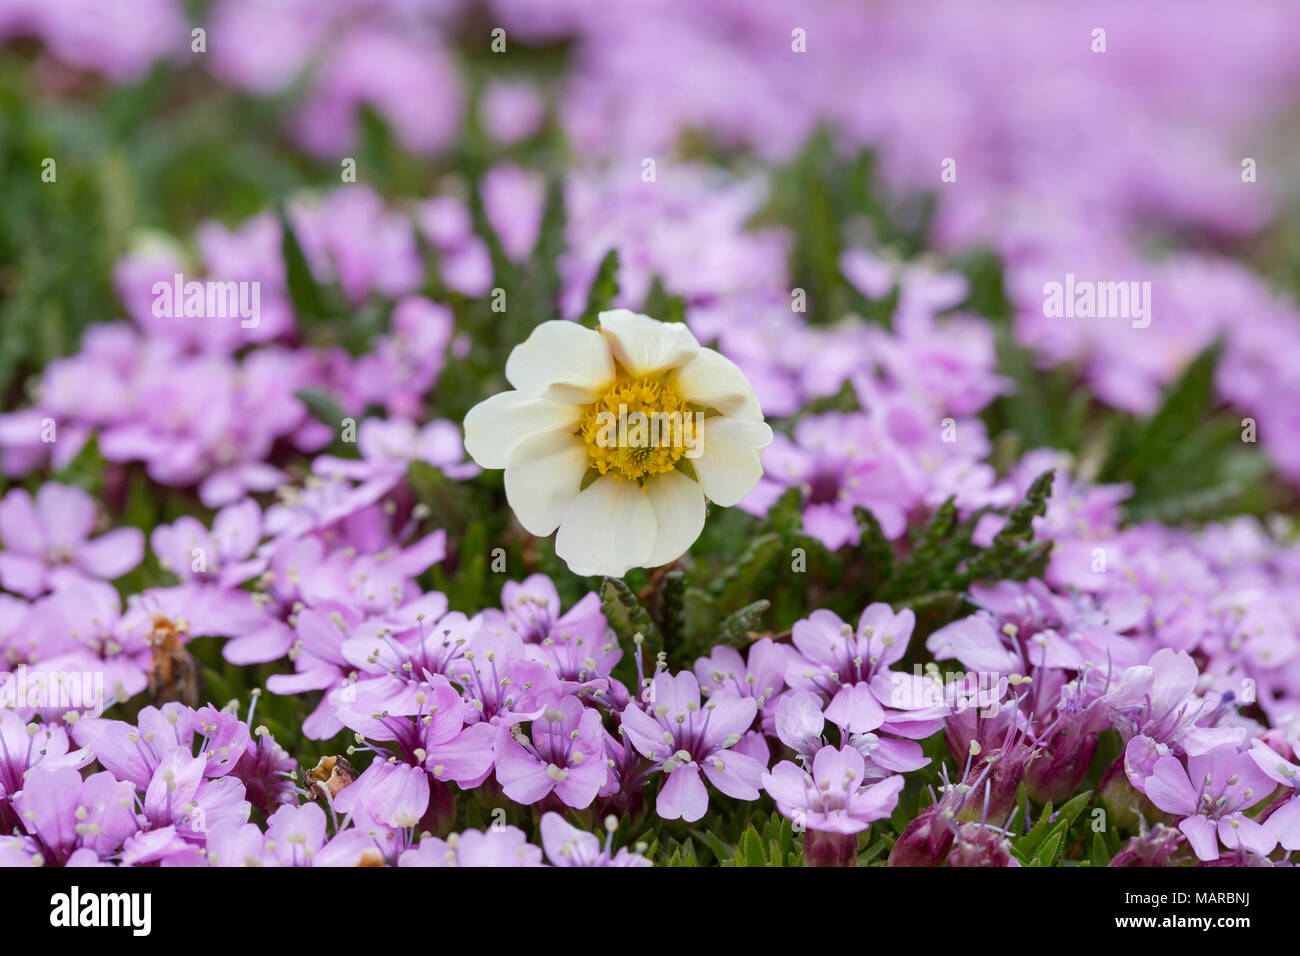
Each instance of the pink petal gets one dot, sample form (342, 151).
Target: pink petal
(68, 514)
(683, 795)
(20, 526)
(113, 554)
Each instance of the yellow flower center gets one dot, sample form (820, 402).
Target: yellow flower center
(637, 429)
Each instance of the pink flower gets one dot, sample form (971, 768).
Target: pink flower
(851, 669)
(430, 738)
(70, 820)
(684, 738)
(834, 797)
(566, 845)
(1284, 817)
(724, 671)
(47, 541)
(506, 846)
(1211, 795)
(188, 550)
(566, 755)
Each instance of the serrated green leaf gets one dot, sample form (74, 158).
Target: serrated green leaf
(915, 572)
(672, 611)
(721, 851)
(1006, 554)
(735, 627)
(627, 617)
(1182, 412)
(1046, 855)
(660, 305)
(1074, 806)
(749, 852)
(1028, 844)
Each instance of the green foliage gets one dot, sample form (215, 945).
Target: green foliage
(1013, 554)
(1045, 842)
(1187, 461)
(943, 561)
(323, 406)
(450, 503)
(755, 840)
(736, 626)
(305, 295)
(662, 306)
(749, 572)
(604, 289)
(627, 618)
(168, 152)
(830, 202)
(672, 607)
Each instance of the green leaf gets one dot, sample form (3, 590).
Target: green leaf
(750, 850)
(604, 289)
(1006, 556)
(744, 577)
(672, 609)
(1047, 853)
(735, 627)
(323, 406)
(544, 285)
(785, 517)
(1075, 806)
(723, 853)
(626, 615)
(874, 546)
(1027, 845)
(1045, 842)
(466, 593)
(305, 294)
(216, 688)
(451, 504)
(700, 612)
(86, 470)
(1182, 412)
(1099, 855)
(916, 571)
(684, 855)
(944, 604)
(871, 852)
(660, 305)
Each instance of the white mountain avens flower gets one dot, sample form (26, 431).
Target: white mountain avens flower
(616, 436)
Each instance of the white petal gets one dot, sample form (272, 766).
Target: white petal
(543, 477)
(728, 466)
(496, 425)
(562, 361)
(679, 512)
(645, 346)
(609, 528)
(715, 381)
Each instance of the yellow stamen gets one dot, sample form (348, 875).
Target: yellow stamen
(639, 428)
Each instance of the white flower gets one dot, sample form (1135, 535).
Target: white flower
(616, 436)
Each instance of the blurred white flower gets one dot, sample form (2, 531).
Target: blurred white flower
(617, 436)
